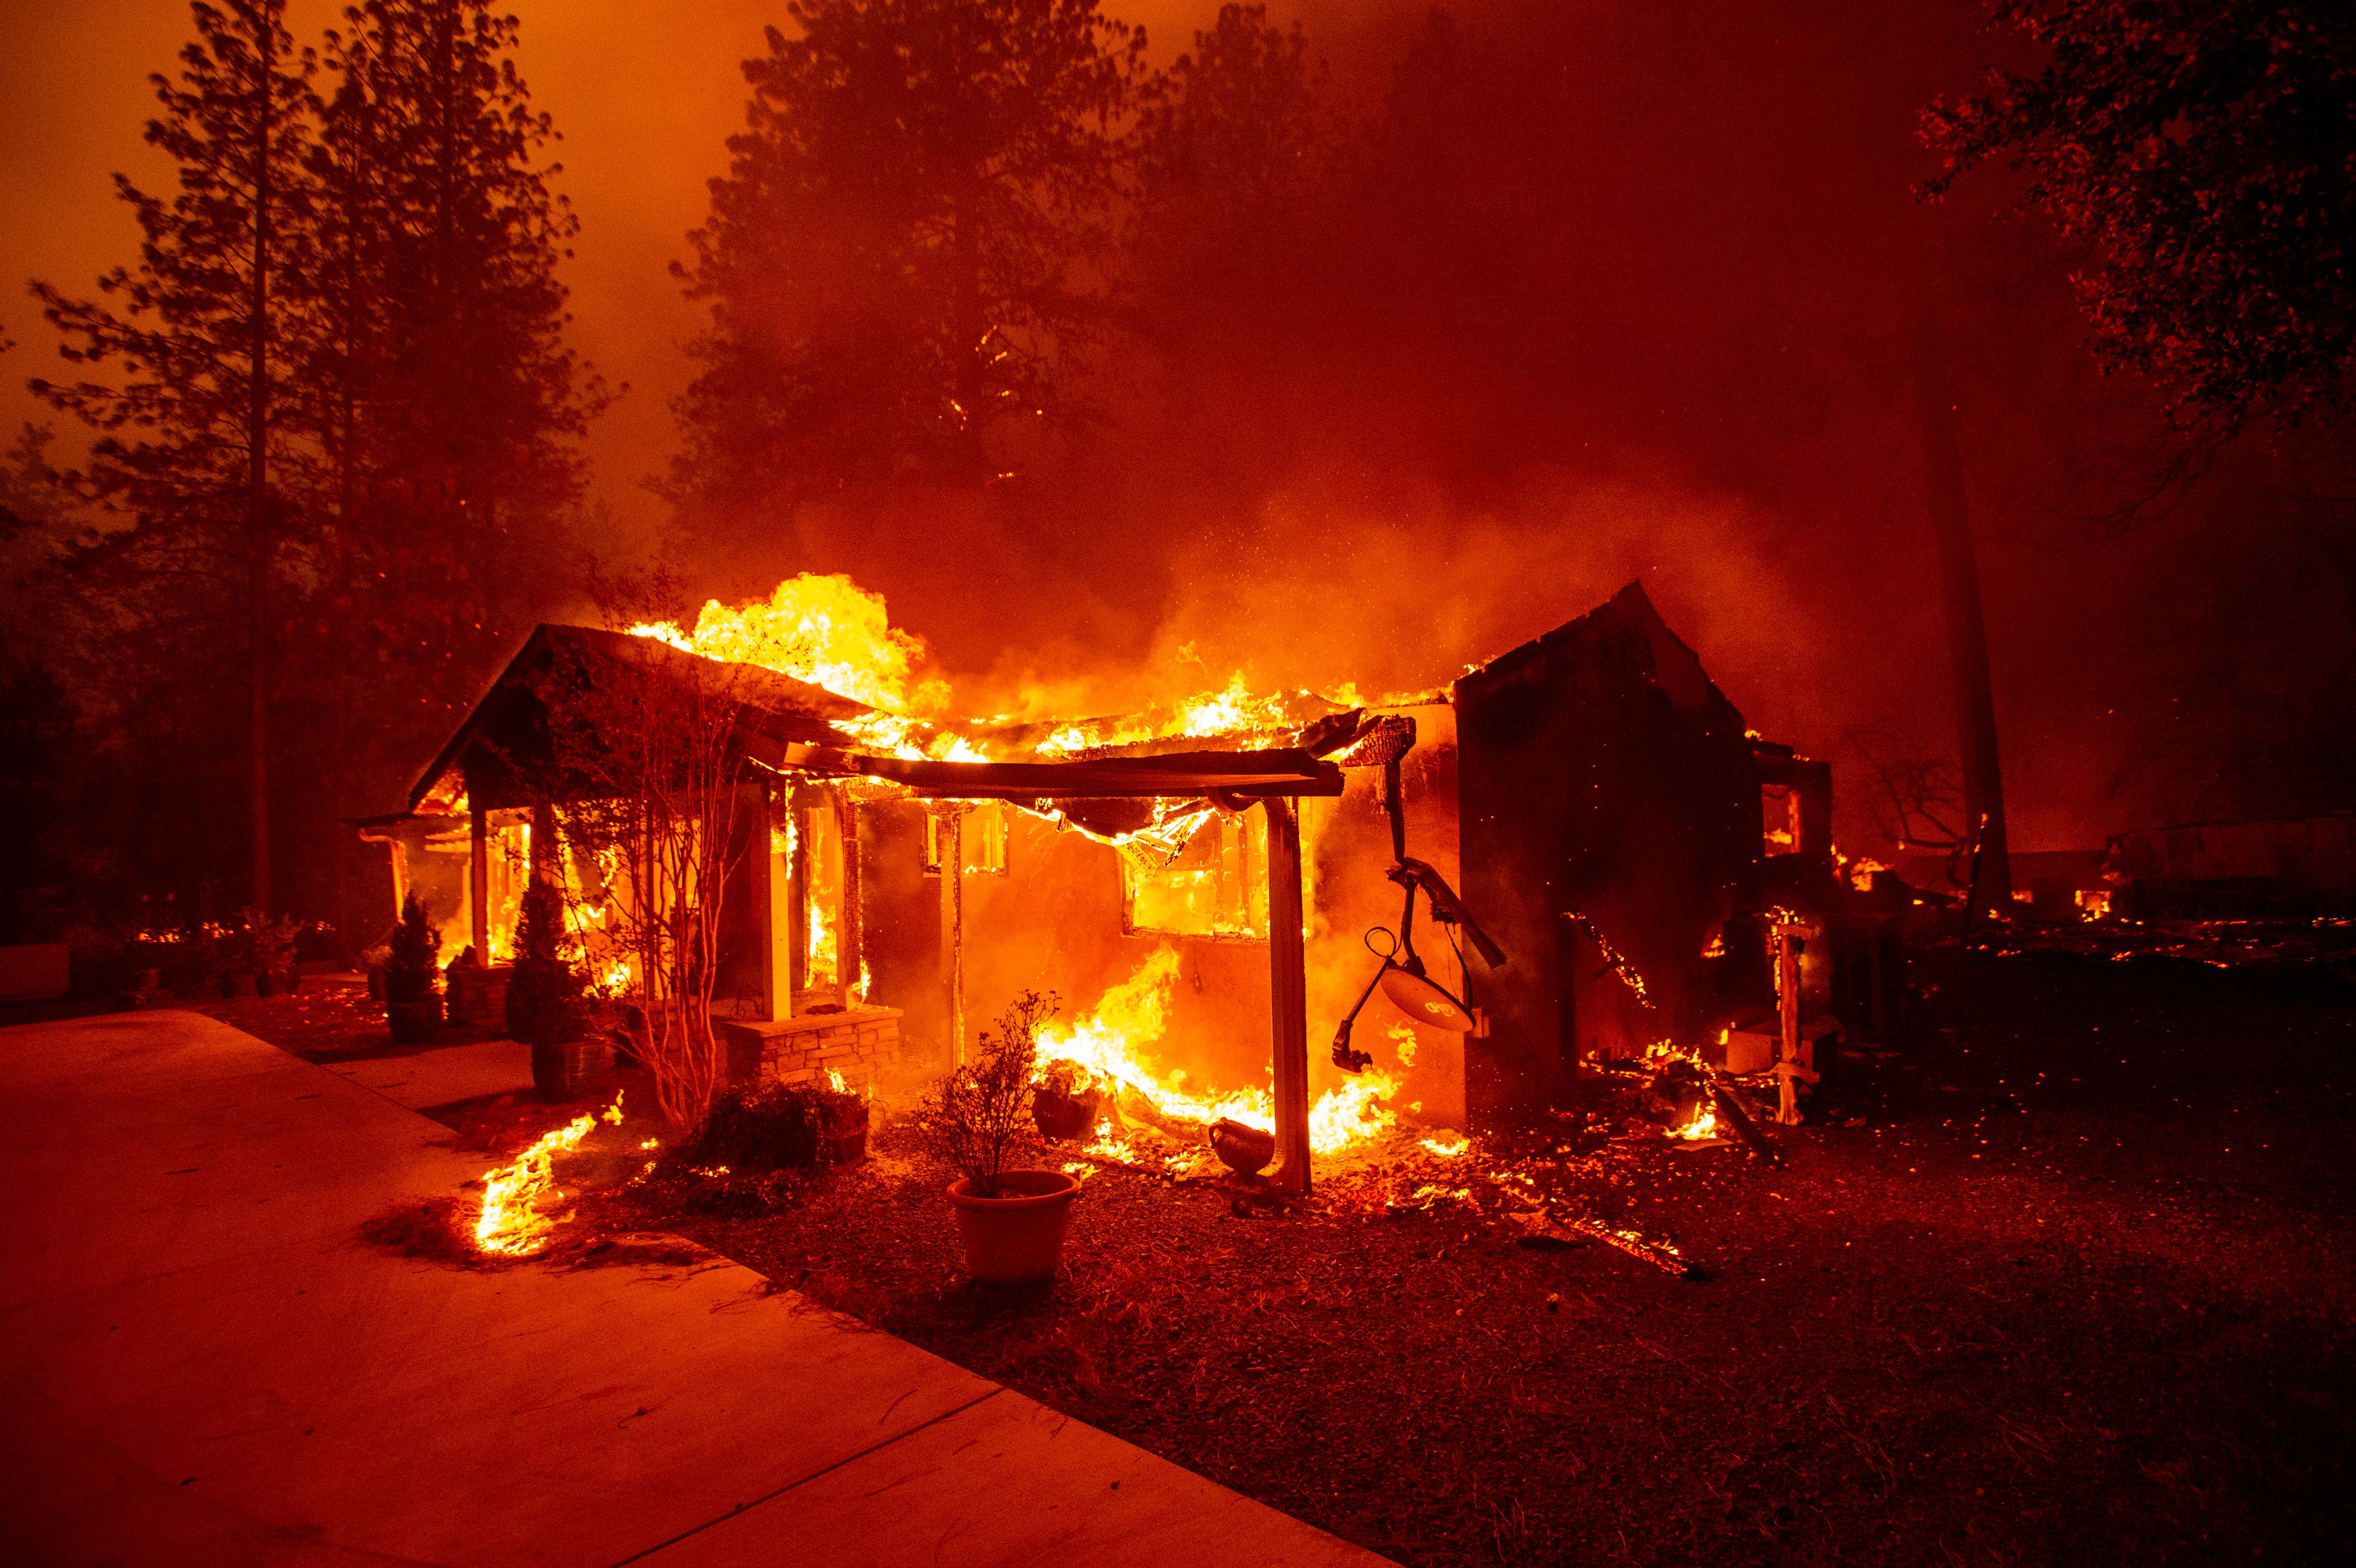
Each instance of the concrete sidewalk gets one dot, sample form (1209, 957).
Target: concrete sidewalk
(203, 1366)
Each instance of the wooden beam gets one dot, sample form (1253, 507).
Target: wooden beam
(1256, 774)
(1287, 990)
(478, 884)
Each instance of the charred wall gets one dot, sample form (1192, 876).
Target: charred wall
(1609, 808)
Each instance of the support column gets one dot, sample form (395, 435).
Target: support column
(1288, 992)
(851, 936)
(773, 891)
(547, 856)
(478, 884)
(952, 850)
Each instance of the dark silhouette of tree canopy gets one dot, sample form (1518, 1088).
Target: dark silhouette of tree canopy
(2206, 152)
(1235, 153)
(341, 413)
(202, 422)
(905, 252)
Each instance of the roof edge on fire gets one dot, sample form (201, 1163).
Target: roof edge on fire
(758, 689)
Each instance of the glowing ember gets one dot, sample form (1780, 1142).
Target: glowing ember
(1704, 1124)
(1130, 1018)
(511, 1224)
(1445, 1149)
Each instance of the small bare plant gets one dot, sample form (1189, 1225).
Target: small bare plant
(975, 1112)
(643, 737)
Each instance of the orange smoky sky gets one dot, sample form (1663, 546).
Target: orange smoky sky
(644, 96)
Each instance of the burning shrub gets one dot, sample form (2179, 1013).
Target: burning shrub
(976, 1111)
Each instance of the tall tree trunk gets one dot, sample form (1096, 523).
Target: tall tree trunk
(1959, 582)
(257, 496)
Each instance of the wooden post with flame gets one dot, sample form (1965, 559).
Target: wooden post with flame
(1288, 991)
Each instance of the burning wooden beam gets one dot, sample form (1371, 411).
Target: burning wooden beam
(1179, 775)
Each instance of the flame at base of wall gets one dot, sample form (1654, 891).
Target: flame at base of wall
(1111, 1043)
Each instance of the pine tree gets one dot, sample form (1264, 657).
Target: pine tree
(894, 261)
(201, 447)
(448, 399)
(456, 398)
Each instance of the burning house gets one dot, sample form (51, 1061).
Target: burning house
(1574, 853)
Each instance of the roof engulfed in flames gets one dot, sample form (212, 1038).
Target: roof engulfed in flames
(826, 630)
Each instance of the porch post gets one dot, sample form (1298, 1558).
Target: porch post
(478, 884)
(952, 847)
(770, 892)
(1288, 991)
(851, 940)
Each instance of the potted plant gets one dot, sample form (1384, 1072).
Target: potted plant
(270, 946)
(413, 1005)
(546, 1002)
(1011, 1223)
(230, 953)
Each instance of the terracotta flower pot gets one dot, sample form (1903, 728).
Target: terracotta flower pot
(1019, 1235)
(565, 1069)
(414, 1023)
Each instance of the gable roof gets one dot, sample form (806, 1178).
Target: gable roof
(503, 723)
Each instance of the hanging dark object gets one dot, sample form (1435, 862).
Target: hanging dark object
(1402, 976)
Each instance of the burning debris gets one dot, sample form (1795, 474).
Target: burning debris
(512, 1224)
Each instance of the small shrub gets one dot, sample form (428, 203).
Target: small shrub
(413, 972)
(760, 1148)
(767, 1127)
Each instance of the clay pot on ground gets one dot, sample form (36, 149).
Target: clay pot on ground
(1246, 1150)
(567, 1069)
(1018, 1235)
(1061, 1117)
(414, 1023)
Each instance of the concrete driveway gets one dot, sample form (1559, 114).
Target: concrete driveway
(204, 1366)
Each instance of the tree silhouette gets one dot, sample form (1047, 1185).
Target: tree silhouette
(1235, 151)
(900, 259)
(202, 420)
(2207, 152)
(342, 418)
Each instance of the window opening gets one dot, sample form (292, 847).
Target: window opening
(1214, 886)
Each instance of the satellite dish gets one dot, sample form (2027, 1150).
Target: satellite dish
(1423, 1000)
